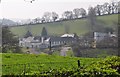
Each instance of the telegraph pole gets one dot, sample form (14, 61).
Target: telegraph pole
(50, 44)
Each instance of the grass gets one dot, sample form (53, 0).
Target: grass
(79, 26)
(41, 62)
(10, 58)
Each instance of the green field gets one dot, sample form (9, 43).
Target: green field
(59, 66)
(37, 63)
(79, 26)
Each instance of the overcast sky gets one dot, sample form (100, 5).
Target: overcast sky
(21, 9)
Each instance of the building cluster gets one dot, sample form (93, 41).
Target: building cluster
(46, 41)
(105, 39)
(66, 39)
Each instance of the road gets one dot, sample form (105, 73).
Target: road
(64, 50)
(33, 51)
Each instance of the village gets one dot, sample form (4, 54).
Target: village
(66, 41)
(60, 38)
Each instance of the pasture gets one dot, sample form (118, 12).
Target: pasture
(79, 26)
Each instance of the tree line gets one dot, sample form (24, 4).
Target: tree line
(105, 9)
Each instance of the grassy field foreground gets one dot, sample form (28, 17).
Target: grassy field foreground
(59, 66)
(19, 63)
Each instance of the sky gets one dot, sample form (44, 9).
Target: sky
(24, 9)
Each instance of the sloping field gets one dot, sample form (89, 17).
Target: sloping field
(79, 26)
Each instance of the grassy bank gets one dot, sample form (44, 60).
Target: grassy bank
(79, 26)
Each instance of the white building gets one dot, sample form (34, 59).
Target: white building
(98, 36)
(52, 41)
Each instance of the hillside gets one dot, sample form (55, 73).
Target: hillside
(7, 22)
(79, 26)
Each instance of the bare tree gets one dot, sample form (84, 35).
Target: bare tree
(83, 12)
(37, 20)
(76, 12)
(67, 15)
(119, 7)
(99, 9)
(54, 16)
(106, 5)
(107, 8)
(42, 20)
(47, 16)
(113, 7)
(116, 6)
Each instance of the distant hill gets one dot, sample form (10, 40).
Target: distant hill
(7, 22)
(79, 26)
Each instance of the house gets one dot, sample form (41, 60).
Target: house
(45, 42)
(99, 36)
(57, 41)
(105, 39)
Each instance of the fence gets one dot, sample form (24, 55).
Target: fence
(28, 68)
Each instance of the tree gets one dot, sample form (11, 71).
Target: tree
(116, 7)
(92, 18)
(83, 12)
(107, 8)
(47, 16)
(54, 16)
(76, 12)
(99, 9)
(9, 41)
(44, 32)
(67, 15)
(37, 20)
(113, 7)
(42, 19)
(28, 34)
(119, 7)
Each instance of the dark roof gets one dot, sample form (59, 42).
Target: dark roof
(55, 38)
(37, 38)
(61, 39)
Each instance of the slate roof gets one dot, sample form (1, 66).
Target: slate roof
(61, 39)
